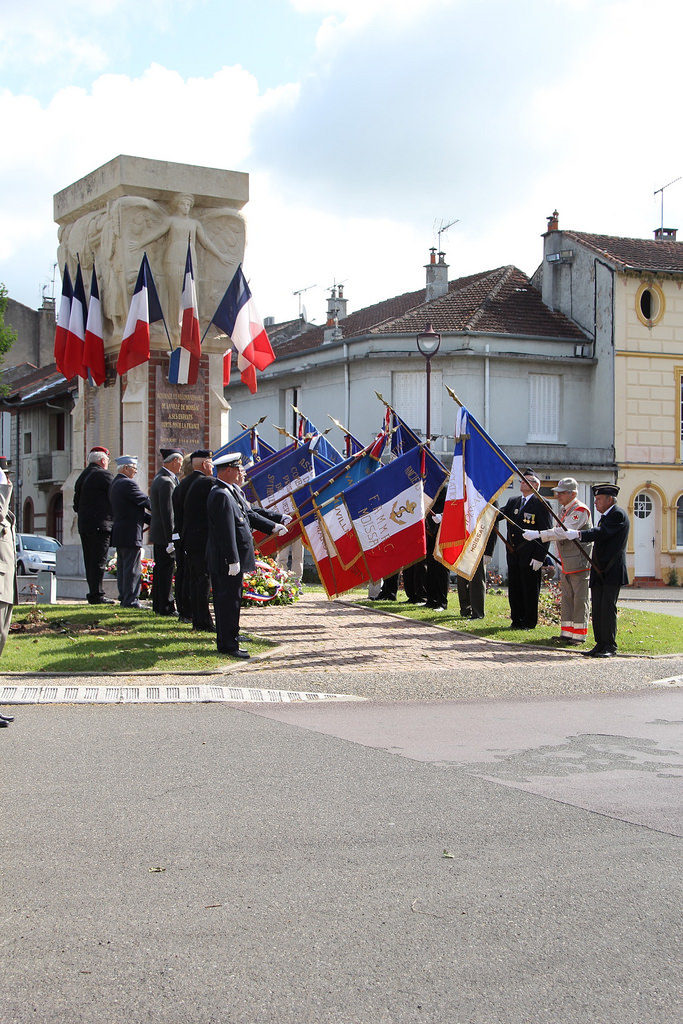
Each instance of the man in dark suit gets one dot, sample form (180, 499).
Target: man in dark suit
(525, 558)
(438, 575)
(194, 535)
(130, 510)
(91, 502)
(161, 530)
(230, 548)
(200, 466)
(608, 573)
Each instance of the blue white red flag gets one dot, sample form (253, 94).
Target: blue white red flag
(237, 316)
(480, 473)
(328, 529)
(145, 309)
(62, 325)
(272, 484)
(323, 447)
(387, 512)
(93, 349)
(75, 336)
(251, 446)
(403, 438)
(184, 360)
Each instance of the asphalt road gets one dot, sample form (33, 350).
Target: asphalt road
(208, 863)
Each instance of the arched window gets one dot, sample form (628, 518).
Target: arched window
(27, 517)
(679, 522)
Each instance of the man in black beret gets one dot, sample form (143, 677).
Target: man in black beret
(608, 574)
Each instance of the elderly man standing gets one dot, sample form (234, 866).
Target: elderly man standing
(130, 510)
(161, 530)
(91, 502)
(608, 573)
(574, 515)
(230, 548)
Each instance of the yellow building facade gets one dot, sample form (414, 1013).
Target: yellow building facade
(648, 427)
(626, 294)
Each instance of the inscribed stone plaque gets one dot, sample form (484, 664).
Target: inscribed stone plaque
(180, 413)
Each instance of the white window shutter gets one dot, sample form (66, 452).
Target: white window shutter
(544, 407)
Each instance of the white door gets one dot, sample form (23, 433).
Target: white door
(644, 535)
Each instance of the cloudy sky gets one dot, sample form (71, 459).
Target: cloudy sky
(362, 125)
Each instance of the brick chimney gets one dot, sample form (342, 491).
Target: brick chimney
(553, 221)
(437, 275)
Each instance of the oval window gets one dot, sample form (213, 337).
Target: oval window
(650, 304)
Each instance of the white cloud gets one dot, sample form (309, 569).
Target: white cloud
(486, 112)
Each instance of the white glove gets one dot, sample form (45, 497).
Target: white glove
(233, 568)
(531, 535)
(279, 529)
(536, 565)
(437, 517)
(170, 548)
(175, 536)
(572, 535)
(286, 520)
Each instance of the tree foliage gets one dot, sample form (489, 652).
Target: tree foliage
(7, 334)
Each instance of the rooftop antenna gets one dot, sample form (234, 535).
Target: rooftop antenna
(444, 228)
(299, 292)
(333, 287)
(662, 191)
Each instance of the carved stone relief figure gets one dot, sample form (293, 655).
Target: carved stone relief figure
(116, 236)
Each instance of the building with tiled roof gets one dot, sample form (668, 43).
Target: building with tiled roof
(626, 294)
(35, 422)
(528, 372)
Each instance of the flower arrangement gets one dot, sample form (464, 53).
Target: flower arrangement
(269, 584)
(147, 566)
(550, 602)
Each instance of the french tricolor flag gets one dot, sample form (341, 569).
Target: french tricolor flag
(63, 316)
(184, 365)
(237, 316)
(93, 349)
(72, 364)
(388, 509)
(145, 309)
(480, 473)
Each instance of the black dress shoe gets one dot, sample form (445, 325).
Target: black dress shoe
(239, 653)
(607, 653)
(595, 653)
(5, 720)
(473, 616)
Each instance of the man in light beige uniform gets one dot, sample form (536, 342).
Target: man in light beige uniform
(575, 566)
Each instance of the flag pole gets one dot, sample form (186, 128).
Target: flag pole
(519, 473)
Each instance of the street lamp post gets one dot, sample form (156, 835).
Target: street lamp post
(428, 342)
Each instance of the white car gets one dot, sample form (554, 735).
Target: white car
(36, 554)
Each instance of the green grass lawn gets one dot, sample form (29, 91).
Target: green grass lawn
(83, 638)
(637, 632)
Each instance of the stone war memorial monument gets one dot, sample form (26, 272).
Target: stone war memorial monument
(111, 217)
